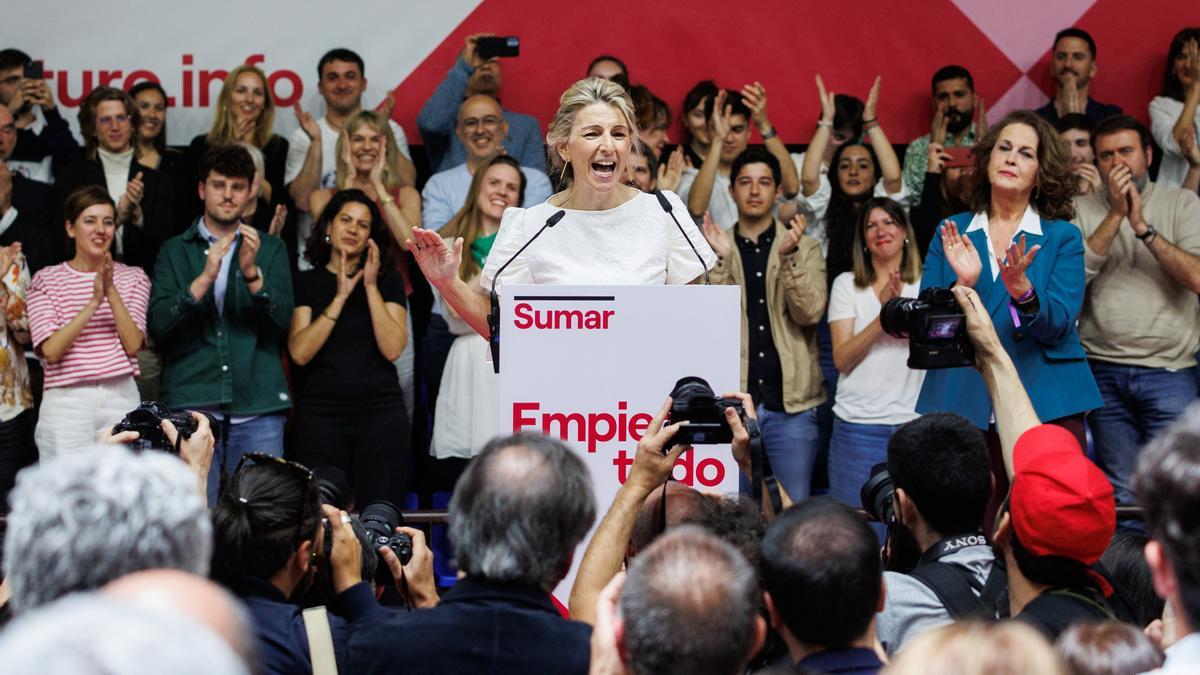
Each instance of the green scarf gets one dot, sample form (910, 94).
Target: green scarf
(481, 247)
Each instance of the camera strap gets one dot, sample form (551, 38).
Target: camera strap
(761, 473)
(955, 586)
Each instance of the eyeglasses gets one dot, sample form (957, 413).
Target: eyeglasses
(299, 469)
(111, 120)
(474, 122)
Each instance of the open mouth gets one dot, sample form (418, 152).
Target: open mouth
(604, 168)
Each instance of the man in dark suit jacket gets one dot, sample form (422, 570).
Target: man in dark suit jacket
(24, 204)
(518, 512)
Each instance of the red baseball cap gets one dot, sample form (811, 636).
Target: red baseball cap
(1061, 504)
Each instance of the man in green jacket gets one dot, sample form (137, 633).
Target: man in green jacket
(219, 311)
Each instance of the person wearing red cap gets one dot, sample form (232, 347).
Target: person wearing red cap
(1060, 513)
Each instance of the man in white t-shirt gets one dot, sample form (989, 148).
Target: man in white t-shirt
(312, 166)
(782, 275)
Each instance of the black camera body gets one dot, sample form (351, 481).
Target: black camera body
(693, 400)
(935, 327)
(147, 419)
(878, 495)
(380, 519)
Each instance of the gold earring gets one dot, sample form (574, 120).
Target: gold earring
(562, 174)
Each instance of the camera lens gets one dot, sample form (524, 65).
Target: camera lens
(876, 494)
(896, 316)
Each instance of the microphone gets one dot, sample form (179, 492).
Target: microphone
(666, 206)
(493, 320)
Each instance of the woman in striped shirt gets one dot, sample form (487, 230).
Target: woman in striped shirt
(87, 319)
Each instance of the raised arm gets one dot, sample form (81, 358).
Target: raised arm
(810, 173)
(889, 164)
(309, 179)
(388, 323)
(755, 97)
(440, 264)
(701, 191)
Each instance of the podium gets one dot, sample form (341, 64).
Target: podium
(591, 365)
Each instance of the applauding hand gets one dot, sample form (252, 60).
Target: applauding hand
(791, 240)
(961, 254)
(1013, 266)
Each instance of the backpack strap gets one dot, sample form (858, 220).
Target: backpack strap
(957, 589)
(320, 641)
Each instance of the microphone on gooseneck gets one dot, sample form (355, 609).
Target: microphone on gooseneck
(493, 320)
(666, 206)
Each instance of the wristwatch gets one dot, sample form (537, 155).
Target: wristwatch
(1148, 235)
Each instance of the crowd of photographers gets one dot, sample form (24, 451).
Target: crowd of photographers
(938, 367)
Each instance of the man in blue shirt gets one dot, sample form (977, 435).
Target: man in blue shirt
(1073, 65)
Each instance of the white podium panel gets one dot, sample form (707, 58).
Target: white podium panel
(592, 364)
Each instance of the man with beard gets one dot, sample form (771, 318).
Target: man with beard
(481, 129)
(1073, 65)
(1139, 321)
(220, 307)
(954, 106)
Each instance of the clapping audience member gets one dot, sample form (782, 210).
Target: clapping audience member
(939, 466)
(1076, 130)
(1167, 489)
(467, 390)
(607, 66)
(1176, 109)
(824, 582)
(959, 120)
(847, 126)
(219, 308)
(876, 390)
(1018, 250)
(696, 111)
(25, 204)
(782, 275)
(946, 189)
(87, 321)
(470, 75)
(1108, 648)
(979, 648)
(1073, 65)
(44, 145)
(1138, 324)
(706, 188)
(258, 211)
(517, 514)
(153, 152)
(481, 129)
(16, 395)
(108, 118)
(270, 532)
(689, 603)
(349, 324)
(94, 515)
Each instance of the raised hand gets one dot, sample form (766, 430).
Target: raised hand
(248, 252)
(755, 98)
(828, 110)
(715, 236)
(388, 104)
(1070, 94)
(378, 167)
(347, 158)
(869, 111)
(1120, 184)
(961, 254)
(469, 53)
(370, 269)
(437, 261)
(1189, 146)
(1013, 266)
(1089, 177)
(347, 281)
(217, 251)
(791, 240)
(655, 456)
(278, 220)
(670, 172)
(308, 124)
(937, 158)
(129, 208)
(981, 123)
(719, 124)
(893, 288)
(245, 127)
(940, 127)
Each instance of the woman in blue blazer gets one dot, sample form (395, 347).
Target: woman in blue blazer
(1023, 257)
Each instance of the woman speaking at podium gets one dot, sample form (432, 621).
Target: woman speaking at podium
(607, 233)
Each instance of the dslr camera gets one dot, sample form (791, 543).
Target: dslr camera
(147, 419)
(693, 400)
(935, 327)
(380, 519)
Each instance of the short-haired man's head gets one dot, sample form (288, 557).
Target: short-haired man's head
(941, 463)
(263, 516)
(1123, 140)
(1118, 123)
(119, 123)
(520, 509)
(13, 58)
(340, 54)
(481, 127)
(755, 155)
(608, 67)
(689, 604)
(1167, 485)
(1178, 76)
(81, 520)
(754, 184)
(819, 553)
(1079, 33)
(954, 95)
(580, 95)
(951, 72)
(231, 161)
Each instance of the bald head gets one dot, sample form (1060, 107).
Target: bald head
(481, 128)
(683, 505)
(191, 595)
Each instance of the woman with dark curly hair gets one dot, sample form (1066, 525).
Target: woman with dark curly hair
(1020, 253)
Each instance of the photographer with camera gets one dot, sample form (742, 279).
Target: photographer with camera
(1020, 253)
(270, 530)
(940, 486)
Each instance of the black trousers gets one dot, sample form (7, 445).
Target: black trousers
(17, 451)
(368, 439)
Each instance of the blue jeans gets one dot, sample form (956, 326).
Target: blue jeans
(790, 442)
(1139, 404)
(853, 450)
(261, 434)
(825, 410)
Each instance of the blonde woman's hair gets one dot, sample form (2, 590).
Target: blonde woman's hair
(910, 263)
(224, 126)
(582, 94)
(977, 648)
(377, 122)
(468, 222)
(256, 156)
